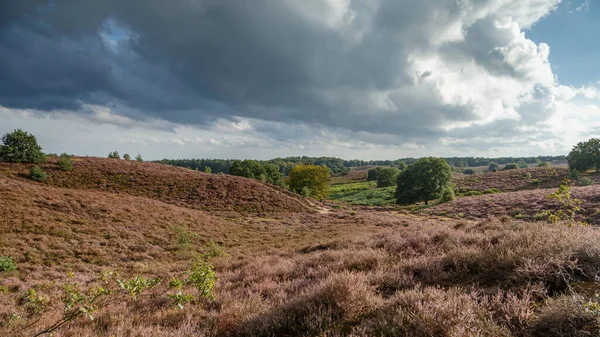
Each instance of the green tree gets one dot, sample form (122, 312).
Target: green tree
(401, 165)
(139, 158)
(510, 166)
(387, 176)
(20, 147)
(65, 162)
(126, 156)
(585, 155)
(522, 164)
(315, 178)
(493, 167)
(207, 169)
(424, 180)
(114, 155)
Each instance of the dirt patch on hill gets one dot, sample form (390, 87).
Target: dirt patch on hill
(173, 185)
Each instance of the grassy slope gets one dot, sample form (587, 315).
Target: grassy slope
(376, 273)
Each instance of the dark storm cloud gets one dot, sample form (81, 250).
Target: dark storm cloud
(194, 61)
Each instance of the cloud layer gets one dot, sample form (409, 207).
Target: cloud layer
(410, 76)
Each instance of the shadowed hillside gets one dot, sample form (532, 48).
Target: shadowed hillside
(173, 185)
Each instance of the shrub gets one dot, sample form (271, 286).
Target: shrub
(522, 164)
(65, 162)
(511, 166)
(7, 264)
(387, 177)
(424, 180)
(315, 178)
(535, 182)
(402, 166)
(470, 171)
(114, 155)
(574, 174)
(207, 170)
(38, 174)
(20, 147)
(126, 156)
(447, 195)
(543, 164)
(305, 192)
(493, 167)
(586, 181)
(139, 158)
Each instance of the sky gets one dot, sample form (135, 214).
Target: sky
(357, 79)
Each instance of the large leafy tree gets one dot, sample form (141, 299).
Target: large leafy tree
(266, 173)
(424, 180)
(585, 155)
(20, 147)
(311, 177)
(387, 176)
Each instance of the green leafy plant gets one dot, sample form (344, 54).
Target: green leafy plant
(586, 181)
(36, 173)
(202, 277)
(139, 158)
(126, 156)
(114, 155)
(7, 264)
(569, 205)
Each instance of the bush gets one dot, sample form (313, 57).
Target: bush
(387, 177)
(114, 155)
(139, 158)
(574, 174)
(586, 181)
(447, 195)
(7, 264)
(38, 174)
(65, 162)
(402, 166)
(424, 180)
(373, 173)
(470, 171)
(20, 147)
(543, 164)
(522, 164)
(493, 167)
(126, 156)
(305, 192)
(511, 166)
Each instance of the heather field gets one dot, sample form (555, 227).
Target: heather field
(283, 265)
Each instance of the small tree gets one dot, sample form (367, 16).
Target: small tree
(37, 174)
(315, 178)
(207, 170)
(585, 155)
(65, 162)
(424, 180)
(493, 167)
(387, 176)
(139, 158)
(448, 194)
(20, 147)
(510, 166)
(543, 164)
(126, 156)
(401, 165)
(114, 155)
(469, 171)
(522, 164)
